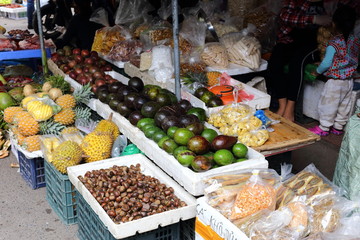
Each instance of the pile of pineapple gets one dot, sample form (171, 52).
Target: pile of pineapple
(41, 113)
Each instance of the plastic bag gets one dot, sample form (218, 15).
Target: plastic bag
(222, 189)
(254, 138)
(106, 37)
(131, 11)
(100, 16)
(161, 65)
(165, 10)
(246, 52)
(122, 50)
(215, 55)
(254, 196)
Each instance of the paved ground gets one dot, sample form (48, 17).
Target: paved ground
(25, 213)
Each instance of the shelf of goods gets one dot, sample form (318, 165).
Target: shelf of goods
(211, 224)
(21, 54)
(235, 69)
(142, 225)
(190, 180)
(13, 13)
(261, 100)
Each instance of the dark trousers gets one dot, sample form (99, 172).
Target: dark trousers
(30, 11)
(296, 56)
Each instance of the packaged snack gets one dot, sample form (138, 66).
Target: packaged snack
(215, 55)
(122, 50)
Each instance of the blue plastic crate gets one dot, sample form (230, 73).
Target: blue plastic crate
(60, 194)
(187, 229)
(32, 170)
(92, 228)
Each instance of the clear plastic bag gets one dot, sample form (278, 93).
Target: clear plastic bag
(161, 65)
(106, 37)
(122, 50)
(222, 189)
(101, 16)
(129, 12)
(215, 55)
(254, 138)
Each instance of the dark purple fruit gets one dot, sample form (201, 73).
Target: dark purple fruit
(139, 102)
(215, 102)
(185, 104)
(160, 116)
(123, 109)
(197, 127)
(124, 91)
(170, 121)
(134, 117)
(188, 119)
(136, 83)
(115, 86)
(223, 142)
(130, 98)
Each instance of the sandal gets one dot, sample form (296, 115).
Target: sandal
(318, 131)
(335, 131)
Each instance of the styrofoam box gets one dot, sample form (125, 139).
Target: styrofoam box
(220, 224)
(14, 13)
(261, 100)
(190, 180)
(235, 69)
(147, 223)
(119, 64)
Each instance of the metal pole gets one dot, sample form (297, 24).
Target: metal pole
(176, 48)
(42, 45)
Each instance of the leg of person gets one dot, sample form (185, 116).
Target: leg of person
(342, 115)
(301, 56)
(276, 80)
(30, 8)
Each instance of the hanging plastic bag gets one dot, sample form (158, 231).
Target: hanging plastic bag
(100, 16)
(165, 10)
(132, 11)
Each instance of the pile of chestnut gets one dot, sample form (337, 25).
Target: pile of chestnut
(126, 194)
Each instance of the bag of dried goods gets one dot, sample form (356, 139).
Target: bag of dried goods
(106, 37)
(222, 189)
(215, 55)
(122, 50)
(254, 196)
(254, 138)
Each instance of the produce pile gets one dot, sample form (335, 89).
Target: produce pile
(18, 39)
(265, 206)
(127, 194)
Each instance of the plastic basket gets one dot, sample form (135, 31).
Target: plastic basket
(32, 170)
(60, 194)
(187, 229)
(91, 227)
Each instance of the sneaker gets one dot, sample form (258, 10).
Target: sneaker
(335, 131)
(318, 131)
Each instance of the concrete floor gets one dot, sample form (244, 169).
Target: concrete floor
(26, 214)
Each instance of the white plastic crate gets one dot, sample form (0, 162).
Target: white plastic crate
(190, 180)
(235, 69)
(147, 223)
(14, 13)
(209, 216)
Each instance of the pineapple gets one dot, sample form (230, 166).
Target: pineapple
(69, 130)
(19, 137)
(83, 95)
(20, 115)
(97, 146)
(82, 113)
(10, 112)
(28, 126)
(31, 143)
(51, 127)
(65, 116)
(192, 77)
(67, 154)
(66, 101)
(108, 126)
(42, 112)
(213, 78)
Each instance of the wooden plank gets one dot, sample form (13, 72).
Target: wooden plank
(286, 134)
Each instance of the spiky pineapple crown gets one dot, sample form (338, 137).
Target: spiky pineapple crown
(51, 127)
(84, 94)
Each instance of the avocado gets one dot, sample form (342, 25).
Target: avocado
(149, 109)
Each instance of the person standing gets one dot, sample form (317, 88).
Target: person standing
(30, 8)
(296, 44)
(338, 66)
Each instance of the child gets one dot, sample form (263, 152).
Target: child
(338, 66)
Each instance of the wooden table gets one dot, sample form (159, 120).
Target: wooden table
(287, 136)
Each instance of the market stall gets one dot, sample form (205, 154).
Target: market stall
(169, 144)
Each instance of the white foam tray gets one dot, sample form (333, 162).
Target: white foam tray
(220, 224)
(119, 64)
(145, 224)
(261, 100)
(235, 69)
(190, 180)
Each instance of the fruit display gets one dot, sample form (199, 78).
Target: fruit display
(176, 127)
(4, 145)
(238, 120)
(83, 66)
(127, 194)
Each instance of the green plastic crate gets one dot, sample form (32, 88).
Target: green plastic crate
(92, 228)
(60, 194)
